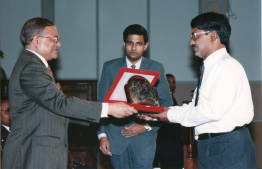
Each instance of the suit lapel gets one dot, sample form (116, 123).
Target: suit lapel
(143, 64)
(123, 62)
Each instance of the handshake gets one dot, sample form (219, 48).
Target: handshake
(121, 110)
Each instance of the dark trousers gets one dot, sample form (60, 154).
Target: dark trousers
(233, 150)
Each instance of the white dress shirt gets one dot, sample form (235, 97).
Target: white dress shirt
(104, 105)
(224, 98)
(129, 64)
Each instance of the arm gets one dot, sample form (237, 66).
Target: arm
(38, 85)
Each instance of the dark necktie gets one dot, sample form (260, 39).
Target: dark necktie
(133, 66)
(200, 77)
(201, 72)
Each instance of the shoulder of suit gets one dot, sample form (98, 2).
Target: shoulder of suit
(116, 61)
(153, 62)
(28, 57)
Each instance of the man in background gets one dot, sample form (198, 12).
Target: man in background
(130, 142)
(5, 122)
(172, 86)
(40, 112)
(170, 138)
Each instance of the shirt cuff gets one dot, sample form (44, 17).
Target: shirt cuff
(171, 116)
(104, 110)
(101, 135)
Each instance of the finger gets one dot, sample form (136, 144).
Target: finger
(124, 132)
(139, 116)
(147, 118)
(108, 151)
(129, 127)
(131, 110)
(153, 115)
(105, 151)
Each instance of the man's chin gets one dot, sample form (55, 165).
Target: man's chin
(55, 57)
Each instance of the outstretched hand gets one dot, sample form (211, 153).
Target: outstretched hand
(120, 110)
(159, 116)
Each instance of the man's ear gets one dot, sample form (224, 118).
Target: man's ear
(214, 36)
(146, 45)
(36, 40)
(124, 43)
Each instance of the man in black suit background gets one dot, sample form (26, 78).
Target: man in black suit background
(5, 122)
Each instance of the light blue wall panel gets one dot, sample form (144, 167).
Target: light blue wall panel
(114, 17)
(13, 15)
(169, 32)
(76, 24)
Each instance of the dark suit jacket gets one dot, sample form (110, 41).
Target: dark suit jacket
(143, 144)
(40, 115)
(4, 134)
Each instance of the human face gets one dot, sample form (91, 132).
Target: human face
(135, 47)
(172, 83)
(201, 43)
(48, 47)
(5, 113)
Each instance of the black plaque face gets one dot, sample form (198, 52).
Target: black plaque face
(140, 91)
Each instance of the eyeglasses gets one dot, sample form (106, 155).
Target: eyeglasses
(53, 39)
(194, 37)
(6, 110)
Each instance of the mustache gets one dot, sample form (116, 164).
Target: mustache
(193, 46)
(133, 51)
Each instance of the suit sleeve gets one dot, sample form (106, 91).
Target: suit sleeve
(37, 83)
(104, 86)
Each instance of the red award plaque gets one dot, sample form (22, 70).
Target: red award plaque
(136, 88)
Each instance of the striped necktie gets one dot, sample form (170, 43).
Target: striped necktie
(50, 71)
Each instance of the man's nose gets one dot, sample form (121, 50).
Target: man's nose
(134, 47)
(191, 42)
(58, 44)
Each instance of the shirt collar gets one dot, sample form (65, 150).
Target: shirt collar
(138, 64)
(40, 57)
(7, 128)
(214, 57)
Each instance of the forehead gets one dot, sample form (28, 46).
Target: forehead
(195, 30)
(4, 103)
(50, 30)
(135, 38)
(171, 79)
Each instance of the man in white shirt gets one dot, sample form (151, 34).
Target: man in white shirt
(224, 104)
(40, 112)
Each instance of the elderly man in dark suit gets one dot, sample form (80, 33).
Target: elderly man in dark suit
(40, 112)
(132, 142)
